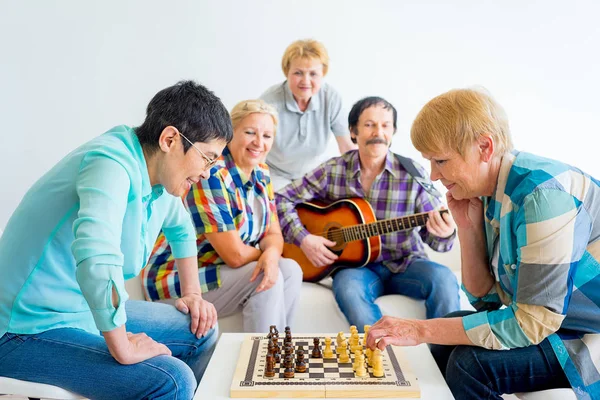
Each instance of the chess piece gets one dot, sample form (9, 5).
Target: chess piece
(338, 339)
(328, 352)
(316, 352)
(355, 342)
(288, 372)
(343, 352)
(300, 363)
(361, 371)
(276, 349)
(270, 368)
(288, 338)
(288, 349)
(377, 363)
(357, 355)
(300, 349)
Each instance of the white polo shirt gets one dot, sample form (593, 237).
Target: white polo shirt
(303, 136)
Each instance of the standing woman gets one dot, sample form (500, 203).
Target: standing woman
(309, 110)
(239, 240)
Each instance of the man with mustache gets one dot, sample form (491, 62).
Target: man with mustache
(395, 186)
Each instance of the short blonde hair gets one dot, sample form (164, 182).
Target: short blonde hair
(244, 108)
(455, 119)
(306, 48)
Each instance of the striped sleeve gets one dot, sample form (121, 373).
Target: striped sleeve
(551, 233)
(209, 205)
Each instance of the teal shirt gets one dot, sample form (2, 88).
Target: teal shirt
(82, 229)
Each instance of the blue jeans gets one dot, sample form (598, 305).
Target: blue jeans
(80, 362)
(477, 373)
(356, 289)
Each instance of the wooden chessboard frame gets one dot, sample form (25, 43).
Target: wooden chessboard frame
(248, 380)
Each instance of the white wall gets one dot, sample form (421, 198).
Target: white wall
(71, 69)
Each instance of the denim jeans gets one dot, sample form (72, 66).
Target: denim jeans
(356, 289)
(80, 362)
(477, 373)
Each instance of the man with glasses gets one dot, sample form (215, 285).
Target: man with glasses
(89, 224)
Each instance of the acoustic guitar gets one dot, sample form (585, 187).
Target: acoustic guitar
(352, 225)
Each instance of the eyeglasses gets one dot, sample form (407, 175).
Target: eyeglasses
(209, 161)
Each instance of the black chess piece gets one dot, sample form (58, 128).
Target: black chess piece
(300, 349)
(270, 368)
(288, 349)
(288, 372)
(276, 349)
(316, 352)
(288, 338)
(300, 364)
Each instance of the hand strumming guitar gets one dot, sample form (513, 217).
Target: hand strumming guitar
(315, 249)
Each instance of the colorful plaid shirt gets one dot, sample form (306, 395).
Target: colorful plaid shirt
(544, 221)
(394, 193)
(223, 202)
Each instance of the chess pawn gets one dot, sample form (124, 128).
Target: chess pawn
(369, 354)
(270, 368)
(316, 352)
(288, 349)
(361, 371)
(288, 372)
(343, 352)
(357, 358)
(288, 338)
(276, 349)
(300, 349)
(328, 353)
(300, 364)
(377, 363)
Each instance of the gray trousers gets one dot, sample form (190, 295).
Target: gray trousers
(275, 306)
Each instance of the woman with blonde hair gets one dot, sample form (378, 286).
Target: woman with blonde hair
(239, 240)
(309, 110)
(529, 230)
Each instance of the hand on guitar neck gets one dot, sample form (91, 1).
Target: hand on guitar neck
(316, 250)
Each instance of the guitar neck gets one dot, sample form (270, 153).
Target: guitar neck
(363, 231)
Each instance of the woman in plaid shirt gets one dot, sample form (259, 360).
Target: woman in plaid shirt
(529, 236)
(239, 241)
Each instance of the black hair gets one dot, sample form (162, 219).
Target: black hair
(362, 105)
(191, 108)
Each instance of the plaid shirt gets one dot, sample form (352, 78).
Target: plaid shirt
(542, 225)
(394, 193)
(221, 203)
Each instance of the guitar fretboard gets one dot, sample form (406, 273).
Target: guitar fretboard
(363, 231)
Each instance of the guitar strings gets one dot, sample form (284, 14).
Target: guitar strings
(339, 233)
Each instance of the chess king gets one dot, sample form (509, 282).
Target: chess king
(394, 186)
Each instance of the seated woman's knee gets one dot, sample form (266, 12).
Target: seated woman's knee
(290, 268)
(172, 377)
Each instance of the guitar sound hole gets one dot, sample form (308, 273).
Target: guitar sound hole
(335, 234)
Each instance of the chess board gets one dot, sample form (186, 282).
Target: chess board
(323, 377)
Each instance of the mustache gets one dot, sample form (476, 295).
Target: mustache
(376, 141)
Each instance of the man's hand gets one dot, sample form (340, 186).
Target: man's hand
(128, 348)
(394, 331)
(202, 313)
(268, 263)
(315, 249)
(439, 225)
